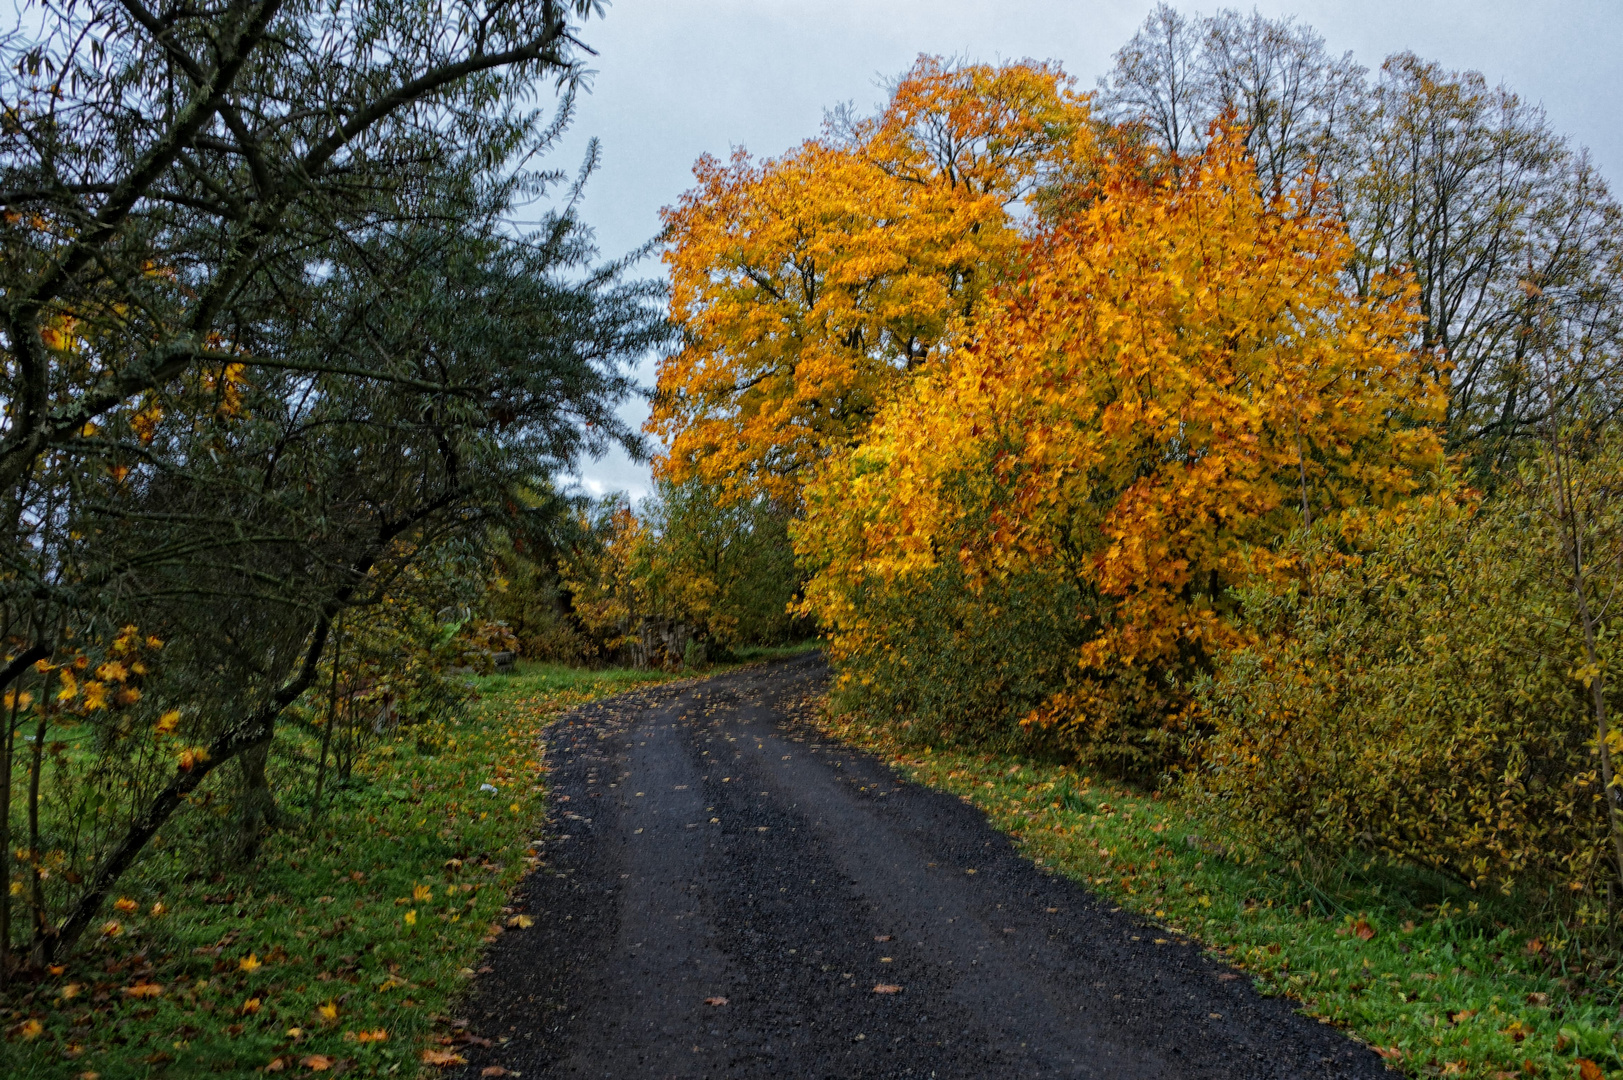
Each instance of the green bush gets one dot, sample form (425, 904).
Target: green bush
(963, 664)
(1424, 699)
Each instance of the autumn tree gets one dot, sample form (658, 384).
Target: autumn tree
(1500, 218)
(1180, 378)
(808, 288)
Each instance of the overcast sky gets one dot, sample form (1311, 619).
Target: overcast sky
(680, 78)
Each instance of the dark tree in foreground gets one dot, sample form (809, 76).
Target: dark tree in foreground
(268, 344)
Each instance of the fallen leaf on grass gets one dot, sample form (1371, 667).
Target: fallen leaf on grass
(1462, 1016)
(1390, 1053)
(1455, 1068)
(376, 1035)
(30, 1029)
(124, 903)
(1588, 1070)
(1538, 999)
(522, 922)
(442, 1058)
(1363, 930)
(276, 1064)
(317, 1062)
(715, 1001)
(143, 990)
(328, 1012)
(249, 963)
(887, 988)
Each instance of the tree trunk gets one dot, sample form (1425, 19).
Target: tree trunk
(43, 930)
(257, 813)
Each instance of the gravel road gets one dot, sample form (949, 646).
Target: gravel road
(726, 894)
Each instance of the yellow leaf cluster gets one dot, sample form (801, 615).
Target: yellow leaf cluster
(1179, 378)
(809, 287)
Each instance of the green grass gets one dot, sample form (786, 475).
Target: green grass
(1443, 981)
(371, 922)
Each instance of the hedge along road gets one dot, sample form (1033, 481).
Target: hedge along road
(726, 894)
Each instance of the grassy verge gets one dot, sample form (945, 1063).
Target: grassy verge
(344, 947)
(1441, 982)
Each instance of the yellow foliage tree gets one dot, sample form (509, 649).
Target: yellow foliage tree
(1179, 380)
(809, 287)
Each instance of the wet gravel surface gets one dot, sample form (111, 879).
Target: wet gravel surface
(706, 844)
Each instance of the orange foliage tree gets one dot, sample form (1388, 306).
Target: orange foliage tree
(809, 287)
(1180, 378)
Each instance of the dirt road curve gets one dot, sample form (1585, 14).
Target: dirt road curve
(706, 845)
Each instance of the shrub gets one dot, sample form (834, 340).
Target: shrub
(1425, 698)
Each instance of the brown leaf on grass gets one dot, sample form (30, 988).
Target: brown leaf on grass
(143, 990)
(1462, 1016)
(887, 988)
(442, 1058)
(715, 1001)
(1390, 1053)
(1534, 947)
(1363, 930)
(1588, 1070)
(317, 1062)
(1538, 999)
(277, 1064)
